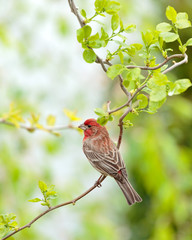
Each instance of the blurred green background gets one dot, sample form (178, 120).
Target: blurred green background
(42, 71)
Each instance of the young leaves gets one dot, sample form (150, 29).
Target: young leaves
(115, 70)
(179, 86)
(89, 55)
(143, 101)
(72, 115)
(7, 224)
(171, 14)
(14, 115)
(115, 20)
(158, 86)
(104, 117)
(48, 194)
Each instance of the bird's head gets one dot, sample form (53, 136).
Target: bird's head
(91, 128)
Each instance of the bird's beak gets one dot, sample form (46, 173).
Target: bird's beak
(82, 126)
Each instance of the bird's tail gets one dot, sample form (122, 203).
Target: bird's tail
(129, 192)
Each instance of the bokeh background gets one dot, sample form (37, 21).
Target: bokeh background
(42, 71)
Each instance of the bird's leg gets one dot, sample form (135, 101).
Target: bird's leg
(98, 182)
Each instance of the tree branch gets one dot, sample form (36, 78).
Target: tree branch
(34, 128)
(28, 225)
(176, 64)
(129, 109)
(74, 10)
(163, 63)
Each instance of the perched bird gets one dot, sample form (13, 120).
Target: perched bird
(105, 157)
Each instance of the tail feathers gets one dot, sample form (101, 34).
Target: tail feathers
(129, 192)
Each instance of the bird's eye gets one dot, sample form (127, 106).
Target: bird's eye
(88, 126)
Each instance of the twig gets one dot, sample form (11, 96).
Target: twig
(161, 64)
(74, 10)
(108, 106)
(129, 109)
(33, 128)
(176, 64)
(128, 102)
(28, 225)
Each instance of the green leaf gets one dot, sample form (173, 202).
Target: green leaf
(133, 48)
(157, 92)
(13, 224)
(83, 33)
(131, 28)
(104, 37)
(182, 21)
(35, 200)
(89, 55)
(100, 112)
(121, 57)
(171, 14)
(179, 86)
(42, 186)
(72, 115)
(114, 70)
(99, 5)
(80, 35)
(104, 119)
(143, 101)
(164, 27)
(104, 34)
(83, 13)
(121, 25)
(134, 74)
(183, 48)
(115, 21)
(127, 124)
(45, 204)
(112, 7)
(51, 120)
(94, 37)
(159, 78)
(153, 106)
(97, 43)
(169, 36)
(189, 42)
(51, 195)
(150, 37)
(87, 31)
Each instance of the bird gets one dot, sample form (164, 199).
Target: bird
(105, 157)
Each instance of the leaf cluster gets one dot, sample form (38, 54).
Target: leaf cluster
(48, 194)
(157, 85)
(14, 118)
(7, 224)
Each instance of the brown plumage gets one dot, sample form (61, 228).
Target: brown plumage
(104, 156)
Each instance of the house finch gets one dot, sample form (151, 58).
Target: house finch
(104, 156)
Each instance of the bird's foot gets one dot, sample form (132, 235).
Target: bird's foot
(98, 182)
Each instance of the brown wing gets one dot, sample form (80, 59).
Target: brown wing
(108, 164)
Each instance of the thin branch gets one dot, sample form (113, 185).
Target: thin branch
(28, 225)
(129, 109)
(33, 128)
(161, 64)
(128, 102)
(100, 61)
(108, 106)
(176, 64)
(82, 23)
(74, 10)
